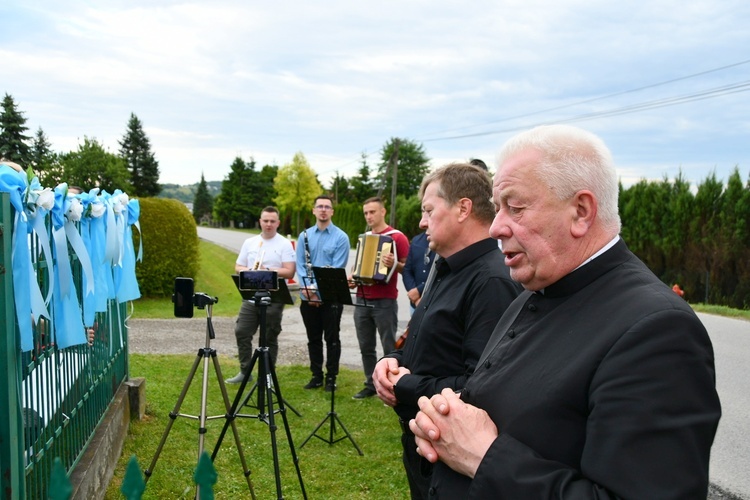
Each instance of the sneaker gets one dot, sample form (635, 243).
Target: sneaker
(330, 384)
(237, 379)
(365, 393)
(314, 383)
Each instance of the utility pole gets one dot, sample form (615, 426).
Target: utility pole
(394, 180)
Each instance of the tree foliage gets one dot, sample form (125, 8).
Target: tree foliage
(135, 150)
(244, 193)
(14, 143)
(297, 187)
(413, 164)
(355, 189)
(45, 161)
(699, 239)
(91, 166)
(203, 203)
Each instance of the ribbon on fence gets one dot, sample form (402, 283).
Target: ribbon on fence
(76, 243)
(14, 183)
(113, 239)
(98, 227)
(37, 202)
(125, 279)
(92, 235)
(68, 321)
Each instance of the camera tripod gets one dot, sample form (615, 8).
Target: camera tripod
(203, 354)
(334, 418)
(268, 387)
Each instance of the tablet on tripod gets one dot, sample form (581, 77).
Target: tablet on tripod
(280, 296)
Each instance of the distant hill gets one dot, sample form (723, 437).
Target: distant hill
(186, 193)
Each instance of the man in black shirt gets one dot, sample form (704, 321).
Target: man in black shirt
(598, 381)
(468, 292)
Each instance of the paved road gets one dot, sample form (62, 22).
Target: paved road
(232, 240)
(730, 455)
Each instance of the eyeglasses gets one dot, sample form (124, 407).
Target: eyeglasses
(324, 207)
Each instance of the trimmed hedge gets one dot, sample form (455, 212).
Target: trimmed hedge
(170, 246)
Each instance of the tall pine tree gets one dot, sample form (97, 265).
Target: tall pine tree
(135, 149)
(14, 144)
(43, 159)
(234, 206)
(203, 203)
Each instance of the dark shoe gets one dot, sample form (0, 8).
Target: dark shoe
(365, 393)
(237, 379)
(330, 384)
(314, 383)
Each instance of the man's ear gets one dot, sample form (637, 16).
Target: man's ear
(464, 208)
(585, 206)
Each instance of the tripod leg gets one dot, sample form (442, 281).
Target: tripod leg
(232, 415)
(282, 410)
(173, 415)
(337, 419)
(333, 416)
(227, 405)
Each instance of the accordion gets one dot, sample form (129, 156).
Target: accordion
(368, 268)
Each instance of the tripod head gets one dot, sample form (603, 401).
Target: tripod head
(184, 299)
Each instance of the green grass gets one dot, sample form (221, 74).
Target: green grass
(328, 470)
(721, 311)
(216, 266)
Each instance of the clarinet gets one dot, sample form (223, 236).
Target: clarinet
(308, 263)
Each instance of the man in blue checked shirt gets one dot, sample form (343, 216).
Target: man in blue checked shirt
(322, 245)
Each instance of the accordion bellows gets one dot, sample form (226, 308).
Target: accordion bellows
(368, 267)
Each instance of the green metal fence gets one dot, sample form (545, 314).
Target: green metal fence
(52, 399)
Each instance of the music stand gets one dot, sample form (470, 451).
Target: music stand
(333, 287)
(280, 296)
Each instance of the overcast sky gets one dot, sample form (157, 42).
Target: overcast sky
(211, 81)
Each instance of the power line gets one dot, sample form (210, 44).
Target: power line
(633, 108)
(600, 98)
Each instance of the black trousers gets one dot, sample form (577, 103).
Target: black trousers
(418, 468)
(323, 322)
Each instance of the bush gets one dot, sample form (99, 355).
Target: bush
(170, 246)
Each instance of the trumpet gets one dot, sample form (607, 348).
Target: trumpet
(259, 260)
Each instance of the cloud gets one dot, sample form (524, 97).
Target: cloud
(211, 81)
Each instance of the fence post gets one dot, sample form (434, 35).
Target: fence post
(12, 479)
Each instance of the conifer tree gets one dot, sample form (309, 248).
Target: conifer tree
(235, 203)
(135, 149)
(203, 203)
(43, 159)
(14, 144)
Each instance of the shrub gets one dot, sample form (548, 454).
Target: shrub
(170, 245)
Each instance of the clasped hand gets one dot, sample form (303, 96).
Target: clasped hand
(457, 433)
(385, 376)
